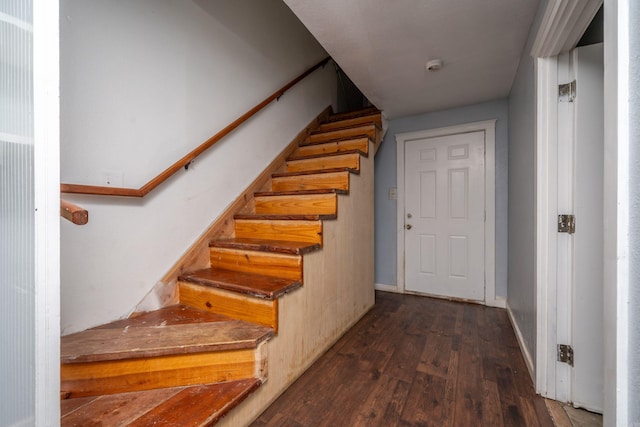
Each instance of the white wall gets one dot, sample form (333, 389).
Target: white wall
(522, 125)
(386, 177)
(144, 82)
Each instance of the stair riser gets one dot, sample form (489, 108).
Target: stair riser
(364, 120)
(261, 311)
(369, 130)
(361, 144)
(351, 161)
(323, 181)
(301, 231)
(317, 204)
(93, 379)
(266, 263)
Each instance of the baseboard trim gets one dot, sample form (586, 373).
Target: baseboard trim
(498, 302)
(523, 348)
(387, 288)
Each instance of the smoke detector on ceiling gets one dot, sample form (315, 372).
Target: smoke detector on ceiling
(434, 65)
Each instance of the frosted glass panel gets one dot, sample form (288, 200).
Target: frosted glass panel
(17, 264)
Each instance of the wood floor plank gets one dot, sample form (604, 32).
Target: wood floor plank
(416, 361)
(425, 403)
(395, 407)
(491, 409)
(117, 409)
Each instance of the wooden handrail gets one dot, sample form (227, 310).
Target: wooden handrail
(73, 213)
(163, 176)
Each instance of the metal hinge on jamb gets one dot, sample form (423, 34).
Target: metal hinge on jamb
(565, 354)
(566, 224)
(567, 92)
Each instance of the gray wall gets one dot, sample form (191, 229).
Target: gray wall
(522, 126)
(634, 217)
(385, 177)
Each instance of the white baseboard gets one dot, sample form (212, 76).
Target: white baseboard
(525, 351)
(498, 302)
(387, 288)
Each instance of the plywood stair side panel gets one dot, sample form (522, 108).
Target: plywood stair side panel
(338, 290)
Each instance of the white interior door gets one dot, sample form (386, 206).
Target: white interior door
(580, 255)
(444, 215)
(588, 371)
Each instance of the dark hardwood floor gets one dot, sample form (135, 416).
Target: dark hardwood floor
(416, 361)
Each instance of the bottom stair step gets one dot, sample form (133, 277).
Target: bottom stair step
(172, 347)
(201, 405)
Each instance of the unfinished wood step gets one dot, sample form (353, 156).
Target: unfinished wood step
(375, 118)
(312, 180)
(260, 311)
(197, 406)
(348, 159)
(264, 245)
(272, 264)
(368, 130)
(315, 202)
(244, 296)
(298, 217)
(351, 114)
(255, 285)
(140, 354)
(360, 144)
(293, 230)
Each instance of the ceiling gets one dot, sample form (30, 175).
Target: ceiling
(383, 46)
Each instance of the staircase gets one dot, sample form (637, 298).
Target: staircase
(292, 277)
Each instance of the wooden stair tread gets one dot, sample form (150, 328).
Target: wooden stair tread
(350, 121)
(317, 156)
(109, 344)
(364, 126)
(173, 315)
(309, 142)
(245, 283)
(283, 217)
(336, 146)
(314, 172)
(300, 192)
(279, 246)
(200, 405)
(351, 114)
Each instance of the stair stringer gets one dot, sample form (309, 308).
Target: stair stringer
(338, 290)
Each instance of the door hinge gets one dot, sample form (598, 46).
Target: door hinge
(565, 354)
(567, 91)
(566, 224)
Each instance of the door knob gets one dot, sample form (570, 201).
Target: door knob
(408, 226)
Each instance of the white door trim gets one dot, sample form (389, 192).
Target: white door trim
(546, 235)
(46, 102)
(488, 127)
(563, 24)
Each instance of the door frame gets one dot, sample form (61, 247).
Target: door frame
(46, 103)
(557, 27)
(488, 127)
